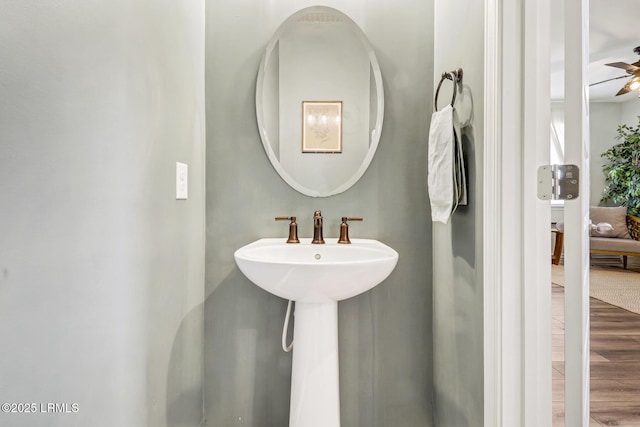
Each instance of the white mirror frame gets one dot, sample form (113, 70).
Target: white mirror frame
(375, 133)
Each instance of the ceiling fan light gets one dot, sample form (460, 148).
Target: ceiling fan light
(635, 84)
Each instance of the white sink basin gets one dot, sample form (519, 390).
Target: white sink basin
(316, 277)
(308, 272)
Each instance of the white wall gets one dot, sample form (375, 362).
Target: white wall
(457, 246)
(101, 269)
(604, 117)
(629, 112)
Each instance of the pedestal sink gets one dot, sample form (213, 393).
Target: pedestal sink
(316, 277)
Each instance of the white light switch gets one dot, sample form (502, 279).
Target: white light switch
(182, 181)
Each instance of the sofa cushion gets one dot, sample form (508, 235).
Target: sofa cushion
(616, 216)
(615, 245)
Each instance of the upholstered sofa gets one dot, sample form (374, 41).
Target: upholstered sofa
(622, 240)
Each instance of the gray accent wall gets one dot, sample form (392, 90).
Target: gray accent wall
(457, 246)
(385, 334)
(101, 269)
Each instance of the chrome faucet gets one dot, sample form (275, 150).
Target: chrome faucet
(317, 228)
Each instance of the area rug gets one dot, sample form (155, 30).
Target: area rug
(613, 286)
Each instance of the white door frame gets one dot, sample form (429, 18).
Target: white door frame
(516, 237)
(516, 227)
(576, 215)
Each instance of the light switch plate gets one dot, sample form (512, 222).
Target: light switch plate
(182, 181)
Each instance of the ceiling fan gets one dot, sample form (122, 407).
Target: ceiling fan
(633, 71)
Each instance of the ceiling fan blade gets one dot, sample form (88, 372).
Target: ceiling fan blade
(624, 90)
(629, 67)
(608, 80)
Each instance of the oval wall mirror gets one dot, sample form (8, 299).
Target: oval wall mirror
(319, 101)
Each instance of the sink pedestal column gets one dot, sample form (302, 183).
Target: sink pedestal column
(315, 391)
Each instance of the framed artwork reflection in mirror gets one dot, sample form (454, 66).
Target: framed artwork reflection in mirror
(322, 126)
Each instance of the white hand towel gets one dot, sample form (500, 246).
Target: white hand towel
(446, 179)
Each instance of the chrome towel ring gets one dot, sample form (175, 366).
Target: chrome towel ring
(456, 77)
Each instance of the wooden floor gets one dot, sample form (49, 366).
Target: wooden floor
(615, 363)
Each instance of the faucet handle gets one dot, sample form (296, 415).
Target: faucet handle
(293, 228)
(344, 229)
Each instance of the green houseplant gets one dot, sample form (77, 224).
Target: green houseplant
(622, 170)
